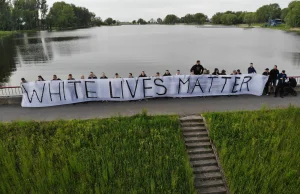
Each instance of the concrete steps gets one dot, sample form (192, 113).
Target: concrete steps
(207, 174)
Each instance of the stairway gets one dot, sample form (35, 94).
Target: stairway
(207, 174)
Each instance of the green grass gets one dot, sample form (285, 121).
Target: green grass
(259, 151)
(5, 33)
(139, 154)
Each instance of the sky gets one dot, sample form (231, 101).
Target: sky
(128, 10)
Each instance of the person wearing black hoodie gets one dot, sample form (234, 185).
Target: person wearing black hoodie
(143, 74)
(273, 76)
(197, 69)
(216, 72)
(167, 73)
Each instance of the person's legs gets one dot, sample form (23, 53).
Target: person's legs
(276, 91)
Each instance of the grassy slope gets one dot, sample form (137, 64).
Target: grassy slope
(259, 151)
(139, 154)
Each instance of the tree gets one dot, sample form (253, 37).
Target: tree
(141, 21)
(159, 20)
(97, 21)
(109, 21)
(216, 19)
(200, 18)
(267, 12)
(43, 10)
(189, 18)
(152, 21)
(5, 15)
(250, 18)
(284, 13)
(171, 19)
(228, 19)
(62, 15)
(293, 16)
(26, 14)
(133, 22)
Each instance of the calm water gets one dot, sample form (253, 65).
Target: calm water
(150, 48)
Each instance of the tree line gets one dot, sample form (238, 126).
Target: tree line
(35, 14)
(264, 14)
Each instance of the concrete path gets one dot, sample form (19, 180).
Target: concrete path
(185, 106)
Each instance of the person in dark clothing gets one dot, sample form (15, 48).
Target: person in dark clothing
(70, 77)
(92, 76)
(234, 72)
(197, 69)
(281, 81)
(167, 73)
(216, 72)
(251, 69)
(130, 75)
(223, 72)
(23, 81)
(103, 76)
(273, 77)
(40, 78)
(55, 78)
(143, 74)
(267, 86)
(239, 72)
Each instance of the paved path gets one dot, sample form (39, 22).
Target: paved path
(184, 106)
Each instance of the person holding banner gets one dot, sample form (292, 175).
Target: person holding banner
(92, 76)
(281, 81)
(197, 69)
(143, 74)
(55, 78)
(267, 86)
(167, 73)
(103, 76)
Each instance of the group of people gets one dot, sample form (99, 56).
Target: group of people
(276, 80)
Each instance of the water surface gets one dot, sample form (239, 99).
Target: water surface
(149, 48)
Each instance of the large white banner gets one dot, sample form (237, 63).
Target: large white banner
(53, 93)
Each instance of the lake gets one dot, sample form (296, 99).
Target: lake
(149, 48)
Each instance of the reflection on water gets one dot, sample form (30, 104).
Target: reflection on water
(7, 61)
(150, 48)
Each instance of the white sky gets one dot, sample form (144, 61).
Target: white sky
(128, 10)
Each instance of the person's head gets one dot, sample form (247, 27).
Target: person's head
(283, 71)
(23, 80)
(130, 75)
(234, 72)
(54, 77)
(143, 73)
(82, 77)
(117, 75)
(198, 62)
(267, 69)
(70, 76)
(167, 72)
(238, 71)
(275, 67)
(92, 73)
(223, 71)
(103, 74)
(178, 72)
(40, 78)
(251, 64)
(216, 70)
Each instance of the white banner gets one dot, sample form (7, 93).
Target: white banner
(54, 93)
